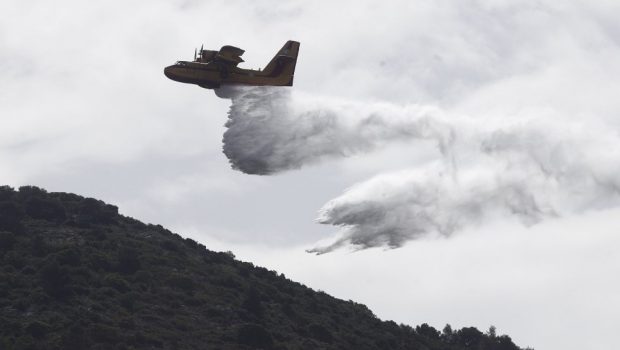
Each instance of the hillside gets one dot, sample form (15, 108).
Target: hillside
(74, 274)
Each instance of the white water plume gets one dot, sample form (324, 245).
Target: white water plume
(532, 166)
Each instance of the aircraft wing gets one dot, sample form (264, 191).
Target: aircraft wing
(230, 55)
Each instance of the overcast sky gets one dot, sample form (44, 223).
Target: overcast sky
(85, 108)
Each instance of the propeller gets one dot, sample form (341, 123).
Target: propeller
(195, 54)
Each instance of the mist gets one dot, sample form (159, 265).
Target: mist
(529, 166)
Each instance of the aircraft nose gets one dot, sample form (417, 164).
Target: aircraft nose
(168, 72)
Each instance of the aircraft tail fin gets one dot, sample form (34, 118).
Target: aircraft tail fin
(282, 66)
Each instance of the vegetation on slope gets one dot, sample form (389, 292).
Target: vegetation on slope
(74, 274)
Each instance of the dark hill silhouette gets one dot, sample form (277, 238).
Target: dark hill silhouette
(74, 274)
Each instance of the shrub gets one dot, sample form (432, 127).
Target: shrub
(117, 282)
(69, 256)
(182, 282)
(427, 331)
(54, 279)
(92, 211)
(169, 245)
(37, 329)
(6, 193)
(320, 333)
(504, 342)
(254, 335)
(45, 209)
(468, 336)
(7, 241)
(191, 243)
(252, 303)
(15, 260)
(99, 262)
(128, 261)
(74, 338)
(28, 270)
(98, 234)
(244, 269)
(38, 246)
(25, 342)
(10, 217)
(26, 192)
(128, 300)
(102, 333)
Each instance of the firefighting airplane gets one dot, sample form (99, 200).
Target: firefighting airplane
(212, 69)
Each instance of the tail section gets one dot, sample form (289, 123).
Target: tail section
(282, 66)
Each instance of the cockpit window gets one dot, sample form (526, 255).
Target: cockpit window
(180, 63)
